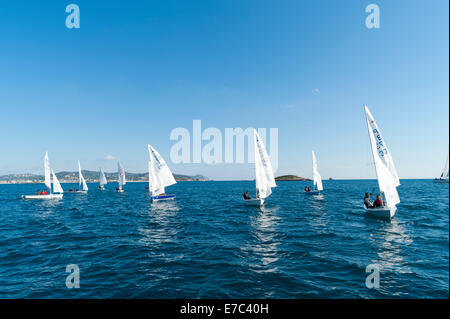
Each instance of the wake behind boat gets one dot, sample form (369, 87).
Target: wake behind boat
(317, 179)
(159, 176)
(57, 189)
(264, 178)
(387, 176)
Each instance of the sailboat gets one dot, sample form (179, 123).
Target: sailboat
(121, 177)
(102, 180)
(317, 186)
(57, 192)
(444, 176)
(387, 176)
(82, 186)
(159, 176)
(264, 178)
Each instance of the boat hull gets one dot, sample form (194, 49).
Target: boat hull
(163, 198)
(43, 197)
(254, 202)
(441, 181)
(313, 193)
(381, 212)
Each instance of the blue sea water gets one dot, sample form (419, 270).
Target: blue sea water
(207, 244)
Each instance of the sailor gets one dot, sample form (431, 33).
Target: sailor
(367, 201)
(246, 195)
(378, 202)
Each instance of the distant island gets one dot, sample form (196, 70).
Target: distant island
(291, 178)
(90, 177)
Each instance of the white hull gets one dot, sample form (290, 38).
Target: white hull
(119, 190)
(49, 196)
(254, 202)
(163, 198)
(381, 212)
(313, 193)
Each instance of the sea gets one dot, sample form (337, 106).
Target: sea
(207, 244)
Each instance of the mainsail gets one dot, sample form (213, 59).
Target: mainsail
(56, 185)
(47, 180)
(384, 166)
(121, 175)
(263, 168)
(316, 176)
(445, 171)
(82, 182)
(159, 173)
(102, 179)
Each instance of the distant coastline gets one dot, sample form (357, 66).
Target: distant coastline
(90, 176)
(287, 178)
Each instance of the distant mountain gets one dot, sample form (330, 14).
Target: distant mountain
(90, 177)
(291, 178)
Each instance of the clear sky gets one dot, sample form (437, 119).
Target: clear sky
(135, 70)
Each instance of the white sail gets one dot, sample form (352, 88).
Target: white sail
(386, 173)
(445, 171)
(149, 177)
(160, 175)
(56, 185)
(82, 182)
(47, 180)
(263, 168)
(102, 179)
(121, 175)
(316, 176)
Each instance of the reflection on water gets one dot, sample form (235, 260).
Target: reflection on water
(389, 240)
(264, 243)
(162, 226)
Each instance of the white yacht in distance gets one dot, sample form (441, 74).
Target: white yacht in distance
(444, 175)
(387, 176)
(121, 180)
(57, 192)
(102, 180)
(159, 176)
(317, 179)
(264, 178)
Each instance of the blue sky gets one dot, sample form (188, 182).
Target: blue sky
(136, 70)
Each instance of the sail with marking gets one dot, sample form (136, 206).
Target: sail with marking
(47, 180)
(82, 182)
(386, 173)
(316, 176)
(102, 179)
(263, 168)
(121, 175)
(56, 185)
(445, 171)
(160, 175)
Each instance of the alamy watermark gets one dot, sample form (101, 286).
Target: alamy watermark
(373, 279)
(73, 279)
(211, 147)
(73, 19)
(373, 19)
